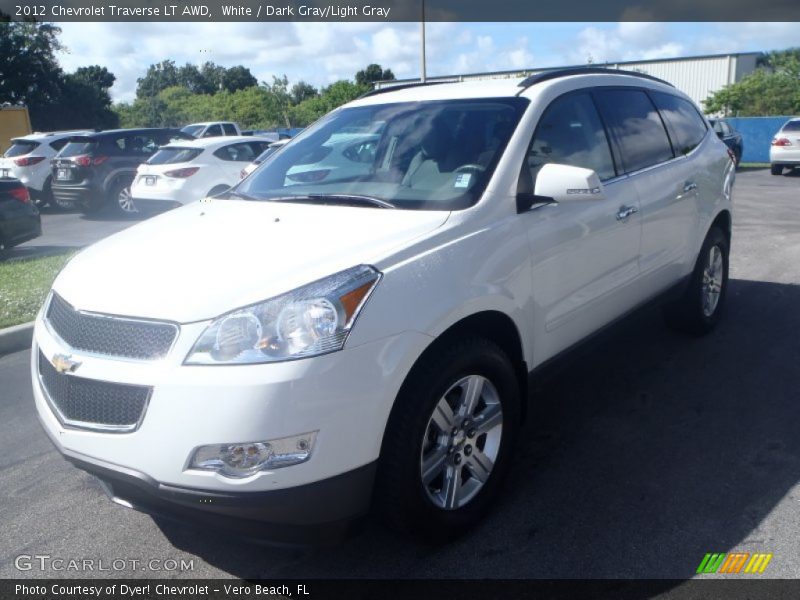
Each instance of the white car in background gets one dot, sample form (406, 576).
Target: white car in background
(785, 148)
(271, 149)
(28, 159)
(186, 171)
(344, 157)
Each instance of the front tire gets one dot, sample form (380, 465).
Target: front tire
(449, 440)
(776, 169)
(698, 310)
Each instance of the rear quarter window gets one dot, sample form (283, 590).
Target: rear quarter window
(686, 127)
(637, 127)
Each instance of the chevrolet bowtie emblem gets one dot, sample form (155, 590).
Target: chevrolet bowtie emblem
(64, 364)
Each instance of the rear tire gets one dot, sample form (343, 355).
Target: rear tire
(121, 198)
(699, 309)
(776, 169)
(443, 463)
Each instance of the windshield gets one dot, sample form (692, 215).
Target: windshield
(193, 130)
(21, 148)
(78, 146)
(436, 155)
(168, 156)
(792, 126)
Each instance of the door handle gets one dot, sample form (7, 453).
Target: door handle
(625, 212)
(689, 186)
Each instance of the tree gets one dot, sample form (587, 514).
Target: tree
(238, 78)
(157, 78)
(772, 89)
(97, 76)
(279, 97)
(373, 73)
(29, 71)
(303, 91)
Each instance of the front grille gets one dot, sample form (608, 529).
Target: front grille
(111, 336)
(93, 404)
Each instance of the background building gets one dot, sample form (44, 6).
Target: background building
(697, 76)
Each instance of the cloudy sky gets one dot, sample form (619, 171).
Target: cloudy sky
(321, 53)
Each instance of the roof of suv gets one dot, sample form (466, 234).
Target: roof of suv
(496, 88)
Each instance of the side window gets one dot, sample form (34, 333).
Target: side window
(118, 145)
(140, 145)
(229, 129)
(635, 124)
(686, 126)
(570, 132)
(213, 131)
(241, 152)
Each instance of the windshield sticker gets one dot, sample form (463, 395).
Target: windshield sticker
(462, 180)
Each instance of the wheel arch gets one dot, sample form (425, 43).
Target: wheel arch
(724, 221)
(493, 325)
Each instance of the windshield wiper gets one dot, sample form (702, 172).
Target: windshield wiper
(345, 199)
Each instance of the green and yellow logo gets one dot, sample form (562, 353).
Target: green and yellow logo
(735, 562)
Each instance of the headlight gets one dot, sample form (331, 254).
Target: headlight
(311, 320)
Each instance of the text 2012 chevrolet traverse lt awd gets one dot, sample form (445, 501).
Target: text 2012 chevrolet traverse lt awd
(278, 359)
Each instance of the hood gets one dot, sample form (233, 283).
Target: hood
(207, 258)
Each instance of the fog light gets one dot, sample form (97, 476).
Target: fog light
(243, 459)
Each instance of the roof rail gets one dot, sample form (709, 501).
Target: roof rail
(558, 73)
(394, 88)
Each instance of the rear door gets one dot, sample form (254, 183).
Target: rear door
(667, 191)
(584, 252)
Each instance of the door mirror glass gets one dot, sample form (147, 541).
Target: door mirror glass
(566, 183)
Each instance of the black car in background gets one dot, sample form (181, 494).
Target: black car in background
(19, 218)
(731, 137)
(97, 169)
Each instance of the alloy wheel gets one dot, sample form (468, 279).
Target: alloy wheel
(712, 280)
(462, 442)
(125, 200)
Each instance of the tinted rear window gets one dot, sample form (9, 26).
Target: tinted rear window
(78, 146)
(792, 126)
(635, 123)
(686, 126)
(21, 148)
(168, 156)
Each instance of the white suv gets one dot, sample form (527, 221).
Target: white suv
(276, 359)
(28, 159)
(184, 172)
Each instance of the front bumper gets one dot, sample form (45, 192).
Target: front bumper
(317, 513)
(346, 396)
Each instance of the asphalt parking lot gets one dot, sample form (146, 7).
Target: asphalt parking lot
(642, 454)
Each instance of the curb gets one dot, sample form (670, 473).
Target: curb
(18, 337)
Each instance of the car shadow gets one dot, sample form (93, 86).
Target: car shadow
(639, 456)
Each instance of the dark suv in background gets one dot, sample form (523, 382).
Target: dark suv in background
(97, 169)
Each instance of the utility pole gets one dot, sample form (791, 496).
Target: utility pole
(422, 74)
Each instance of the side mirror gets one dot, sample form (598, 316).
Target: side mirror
(565, 183)
(720, 134)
